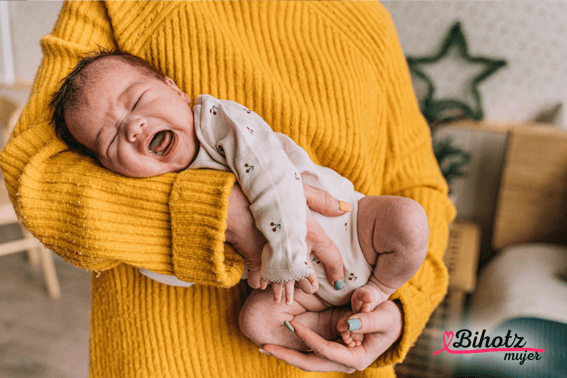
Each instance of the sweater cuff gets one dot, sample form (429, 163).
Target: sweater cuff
(199, 209)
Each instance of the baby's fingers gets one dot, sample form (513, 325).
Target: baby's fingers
(289, 289)
(277, 290)
(309, 285)
(254, 279)
(263, 283)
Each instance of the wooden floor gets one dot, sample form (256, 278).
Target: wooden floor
(42, 337)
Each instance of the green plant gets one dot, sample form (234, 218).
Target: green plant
(451, 158)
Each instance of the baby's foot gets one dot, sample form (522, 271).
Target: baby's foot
(353, 339)
(364, 299)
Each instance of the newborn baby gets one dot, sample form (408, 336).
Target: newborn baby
(118, 109)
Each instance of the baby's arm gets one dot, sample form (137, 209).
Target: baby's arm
(239, 139)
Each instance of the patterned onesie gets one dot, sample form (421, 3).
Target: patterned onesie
(271, 169)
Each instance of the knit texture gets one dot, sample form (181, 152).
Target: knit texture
(331, 75)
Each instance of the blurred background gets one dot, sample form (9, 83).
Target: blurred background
(491, 78)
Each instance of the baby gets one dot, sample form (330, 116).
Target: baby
(118, 109)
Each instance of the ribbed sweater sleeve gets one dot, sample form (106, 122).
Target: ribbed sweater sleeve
(173, 224)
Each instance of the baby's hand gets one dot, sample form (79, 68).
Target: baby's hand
(254, 278)
(309, 285)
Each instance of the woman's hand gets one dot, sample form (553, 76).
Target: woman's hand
(382, 328)
(242, 233)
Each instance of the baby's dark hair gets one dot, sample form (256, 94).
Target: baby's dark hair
(71, 91)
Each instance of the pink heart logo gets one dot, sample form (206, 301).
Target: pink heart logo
(446, 344)
(448, 334)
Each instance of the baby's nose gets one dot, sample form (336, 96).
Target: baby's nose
(134, 128)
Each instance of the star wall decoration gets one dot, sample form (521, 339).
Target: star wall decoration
(450, 79)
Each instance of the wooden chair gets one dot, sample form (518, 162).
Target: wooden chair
(526, 275)
(9, 111)
(516, 188)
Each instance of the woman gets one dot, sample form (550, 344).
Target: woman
(331, 75)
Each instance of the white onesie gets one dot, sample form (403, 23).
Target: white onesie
(271, 169)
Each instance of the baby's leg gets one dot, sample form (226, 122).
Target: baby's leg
(262, 320)
(393, 234)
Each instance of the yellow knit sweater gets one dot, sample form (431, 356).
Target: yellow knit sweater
(331, 75)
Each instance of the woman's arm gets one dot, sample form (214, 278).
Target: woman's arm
(96, 219)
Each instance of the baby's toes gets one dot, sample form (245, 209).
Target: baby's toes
(367, 307)
(357, 338)
(363, 300)
(347, 339)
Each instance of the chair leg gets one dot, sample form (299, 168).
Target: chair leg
(33, 254)
(49, 273)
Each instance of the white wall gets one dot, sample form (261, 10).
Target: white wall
(30, 21)
(530, 35)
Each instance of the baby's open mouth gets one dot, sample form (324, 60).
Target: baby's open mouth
(161, 142)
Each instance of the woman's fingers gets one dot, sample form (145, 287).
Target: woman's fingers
(324, 203)
(332, 356)
(327, 349)
(305, 361)
(366, 322)
(323, 247)
(329, 355)
(319, 243)
(384, 318)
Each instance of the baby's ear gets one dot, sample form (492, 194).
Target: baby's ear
(174, 86)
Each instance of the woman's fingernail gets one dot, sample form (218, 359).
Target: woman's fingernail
(339, 284)
(354, 324)
(288, 326)
(263, 351)
(345, 206)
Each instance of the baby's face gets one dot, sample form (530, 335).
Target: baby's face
(137, 125)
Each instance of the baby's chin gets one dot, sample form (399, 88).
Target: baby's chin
(135, 172)
(150, 167)
(162, 169)
(148, 173)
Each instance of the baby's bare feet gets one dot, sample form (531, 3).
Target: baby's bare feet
(364, 299)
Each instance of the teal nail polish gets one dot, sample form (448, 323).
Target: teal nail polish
(354, 324)
(339, 284)
(288, 326)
